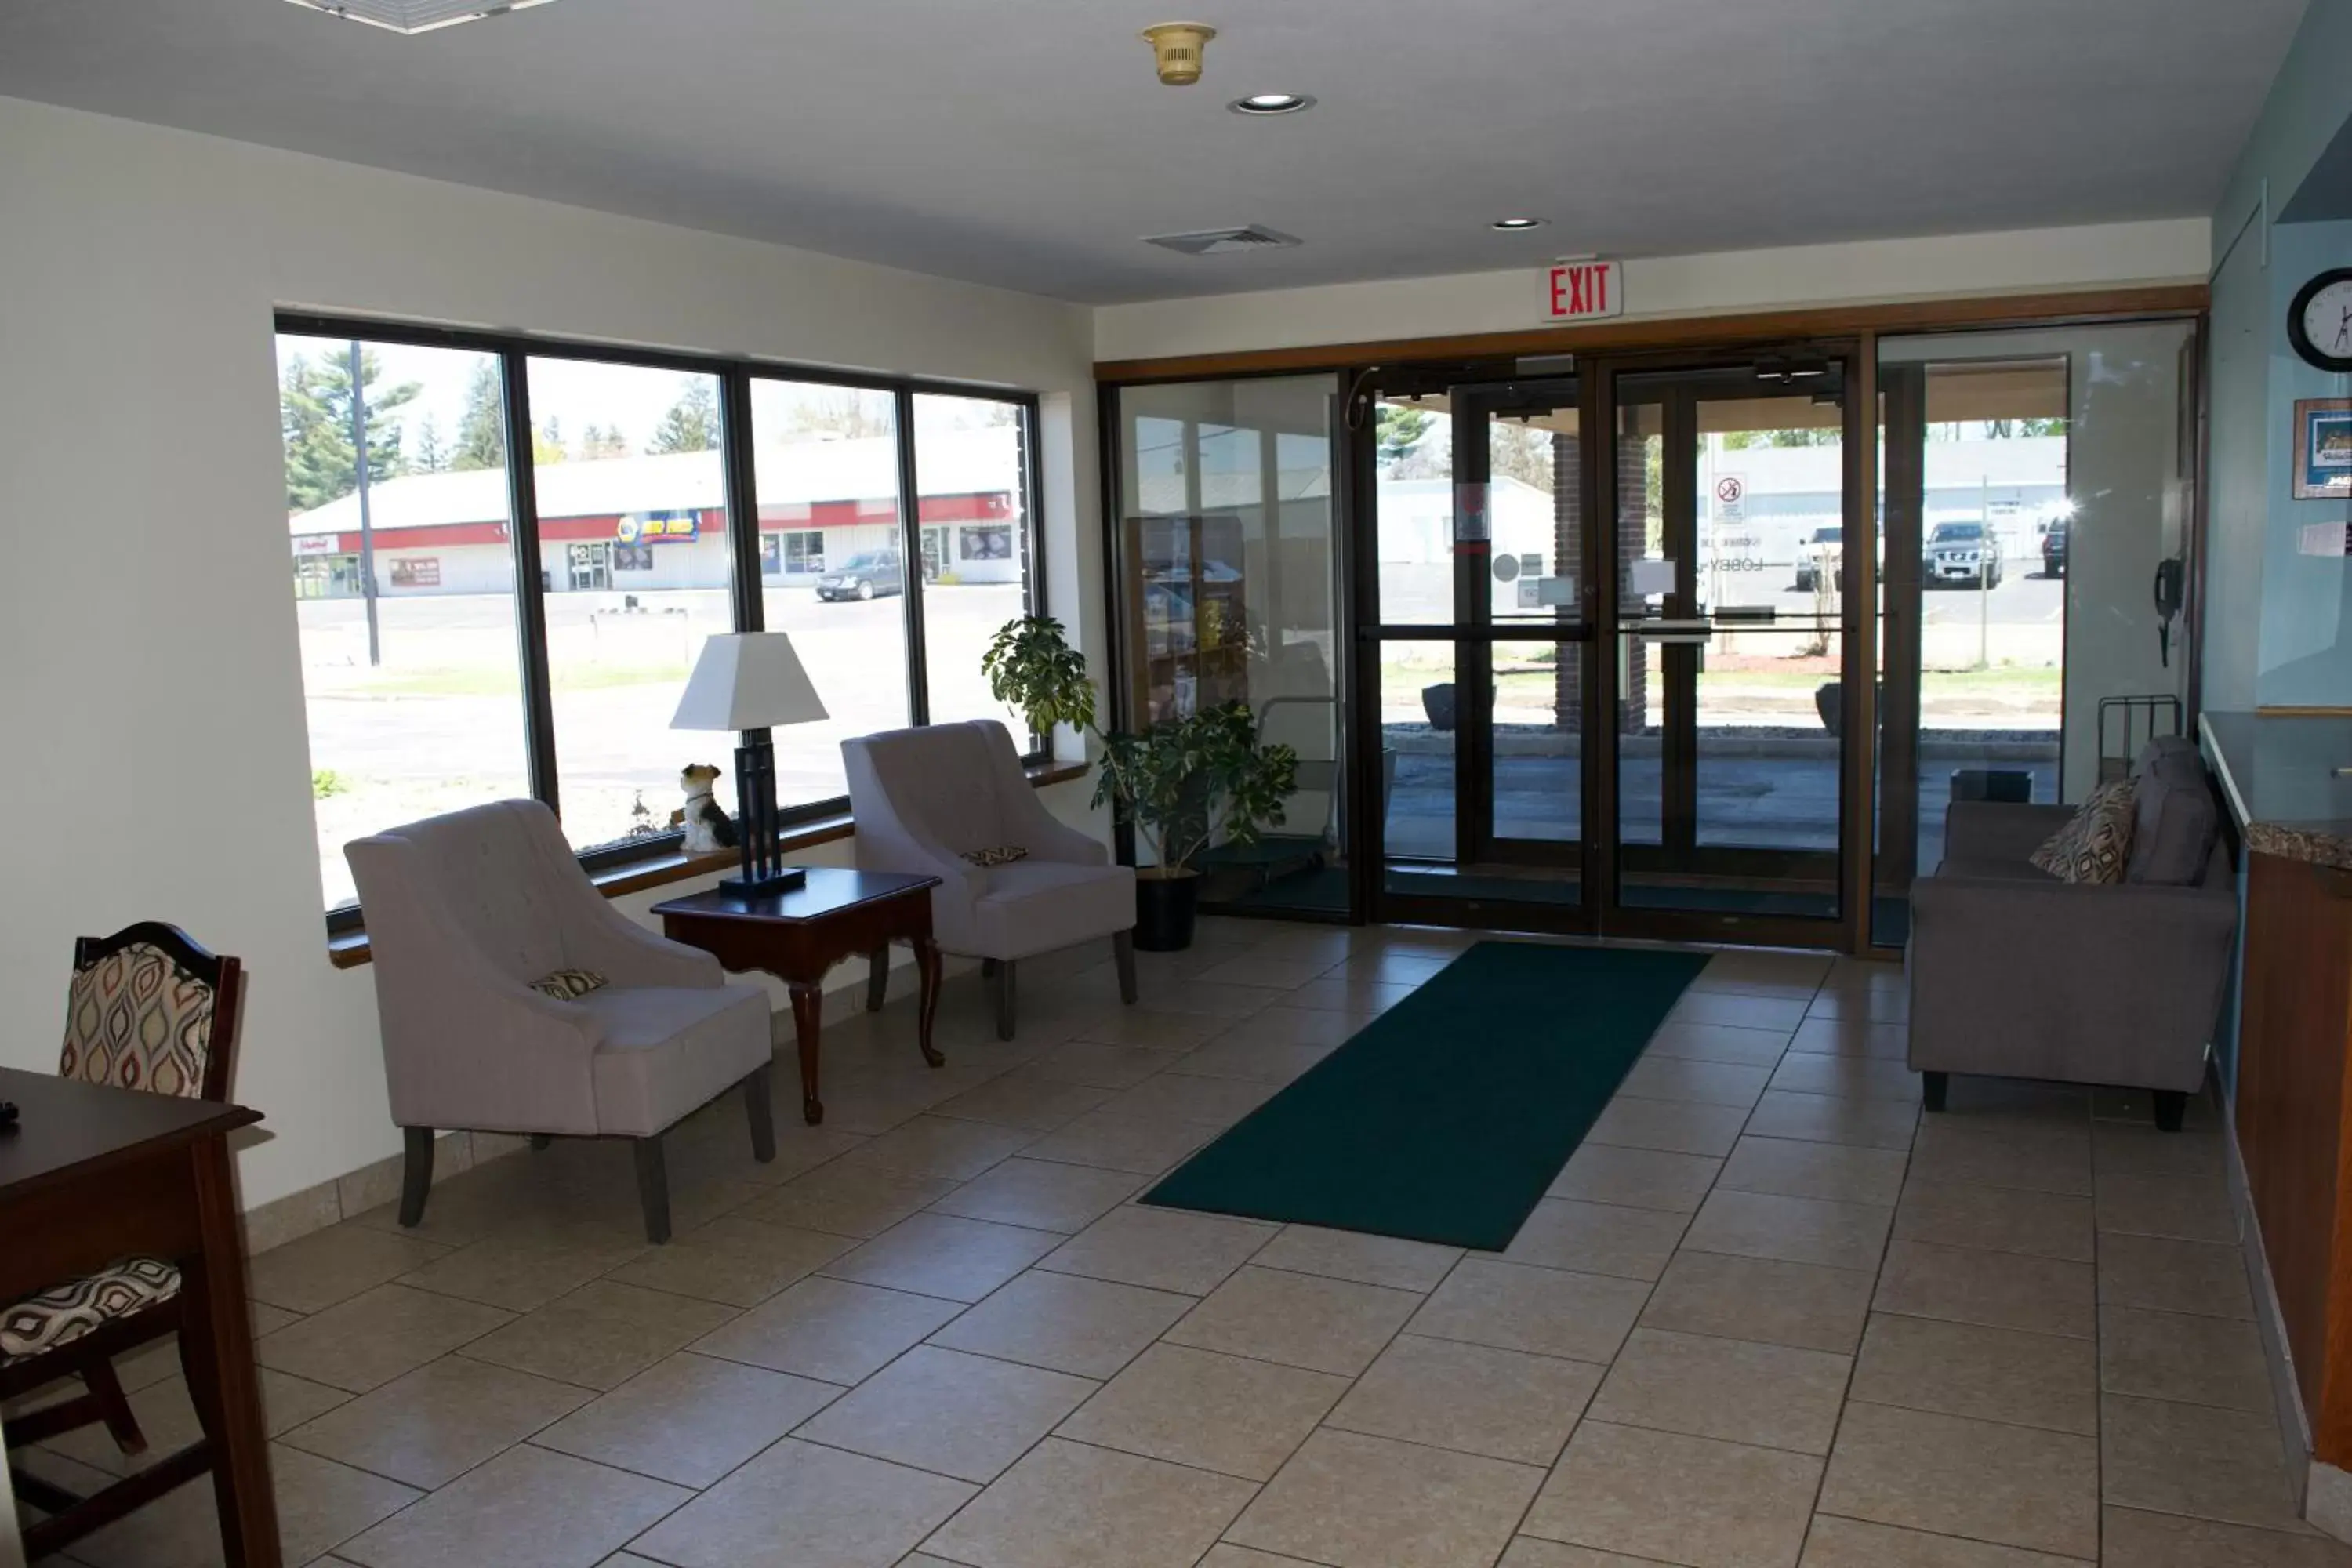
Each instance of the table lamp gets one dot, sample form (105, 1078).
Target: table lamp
(749, 682)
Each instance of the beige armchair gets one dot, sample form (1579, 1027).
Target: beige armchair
(927, 800)
(465, 913)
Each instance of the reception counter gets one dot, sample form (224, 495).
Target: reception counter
(2293, 1119)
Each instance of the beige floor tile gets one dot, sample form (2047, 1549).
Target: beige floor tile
(520, 1272)
(1675, 1126)
(1886, 1004)
(2131, 1539)
(1674, 1499)
(1251, 1060)
(168, 1419)
(1280, 1025)
(1040, 1194)
(2185, 1209)
(1120, 1143)
(2034, 1156)
(1847, 1078)
(1280, 973)
(1178, 1096)
(1024, 1098)
(1698, 1082)
(429, 1427)
(1793, 1168)
(2224, 1465)
(2168, 1276)
(315, 1271)
(1354, 996)
(847, 1202)
(601, 1335)
(2139, 1149)
(939, 1146)
(1794, 1230)
(2040, 1295)
(1088, 1327)
(1352, 1254)
(1636, 1178)
(1147, 1029)
(1544, 1310)
(1230, 1556)
(1067, 1505)
(1843, 1036)
(1995, 1219)
(1853, 1543)
(1772, 1396)
(1990, 1374)
(526, 1509)
(1597, 1238)
(1826, 1119)
(688, 1420)
(2175, 1355)
(1206, 999)
(955, 1415)
(1359, 1502)
(2015, 1486)
(830, 1330)
(939, 1255)
(1298, 1320)
(1777, 1013)
(2110, 1103)
(320, 1504)
(1214, 1412)
(1100, 1064)
(368, 1340)
(1472, 1399)
(1162, 1250)
(1719, 1043)
(1527, 1551)
(801, 1504)
(737, 1262)
(1763, 1298)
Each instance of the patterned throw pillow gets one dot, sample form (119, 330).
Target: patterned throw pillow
(569, 985)
(2095, 847)
(1002, 855)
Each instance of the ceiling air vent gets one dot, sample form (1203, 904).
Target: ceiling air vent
(1223, 241)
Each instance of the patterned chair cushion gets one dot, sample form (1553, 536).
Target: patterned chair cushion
(2096, 846)
(63, 1313)
(1000, 854)
(135, 1020)
(569, 985)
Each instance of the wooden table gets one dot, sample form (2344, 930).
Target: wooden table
(93, 1174)
(798, 935)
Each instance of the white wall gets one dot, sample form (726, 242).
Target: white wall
(1876, 271)
(156, 755)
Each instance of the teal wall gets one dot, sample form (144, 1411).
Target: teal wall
(2278, 624)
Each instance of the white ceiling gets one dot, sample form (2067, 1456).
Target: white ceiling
(1027, 144)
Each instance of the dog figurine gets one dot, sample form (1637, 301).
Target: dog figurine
(708, 829)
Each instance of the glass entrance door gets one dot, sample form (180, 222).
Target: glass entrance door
(1732, 573)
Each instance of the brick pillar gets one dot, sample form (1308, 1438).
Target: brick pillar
(1632, 530)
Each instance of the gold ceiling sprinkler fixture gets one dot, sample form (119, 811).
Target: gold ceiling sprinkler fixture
(1176, 49)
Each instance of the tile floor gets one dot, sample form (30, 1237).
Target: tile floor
(1766, 1318)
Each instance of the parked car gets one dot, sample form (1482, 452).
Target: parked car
(2054, 550)
(1966, 553)
(1825, 550)
(863, 577)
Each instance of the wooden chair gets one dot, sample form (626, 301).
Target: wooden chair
(148, 1010)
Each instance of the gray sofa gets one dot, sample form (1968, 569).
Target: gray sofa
(464, 913)
(2015, 973)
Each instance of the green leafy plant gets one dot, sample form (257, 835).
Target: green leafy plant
(325, 781)
(1183, 783)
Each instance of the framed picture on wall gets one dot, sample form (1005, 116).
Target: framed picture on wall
(2323, 448)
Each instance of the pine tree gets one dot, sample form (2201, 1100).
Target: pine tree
(431, 455)
(481, 430)
(692, 423)
(314, 402)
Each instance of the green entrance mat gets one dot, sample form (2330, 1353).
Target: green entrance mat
(1445, 1118)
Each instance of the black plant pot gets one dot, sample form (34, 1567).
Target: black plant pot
(1437, 702)
(1164, 908)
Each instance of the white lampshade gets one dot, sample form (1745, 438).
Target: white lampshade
(746, 680)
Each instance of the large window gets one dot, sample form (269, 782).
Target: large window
(473, 633)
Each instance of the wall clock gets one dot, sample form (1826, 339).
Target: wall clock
(2319, 323)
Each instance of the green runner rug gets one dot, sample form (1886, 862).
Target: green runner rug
(1445, 1118)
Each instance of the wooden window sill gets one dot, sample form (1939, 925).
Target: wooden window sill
(348, 950)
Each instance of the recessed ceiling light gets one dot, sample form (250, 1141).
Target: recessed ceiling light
(412, 16)
(1512, 225)
(1264, 103)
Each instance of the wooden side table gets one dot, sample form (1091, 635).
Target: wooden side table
(796, 936)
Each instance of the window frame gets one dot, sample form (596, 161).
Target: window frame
(735, 374)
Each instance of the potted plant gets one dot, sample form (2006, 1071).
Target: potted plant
(1183, 784)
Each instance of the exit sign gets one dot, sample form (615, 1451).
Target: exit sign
(1583, 290)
